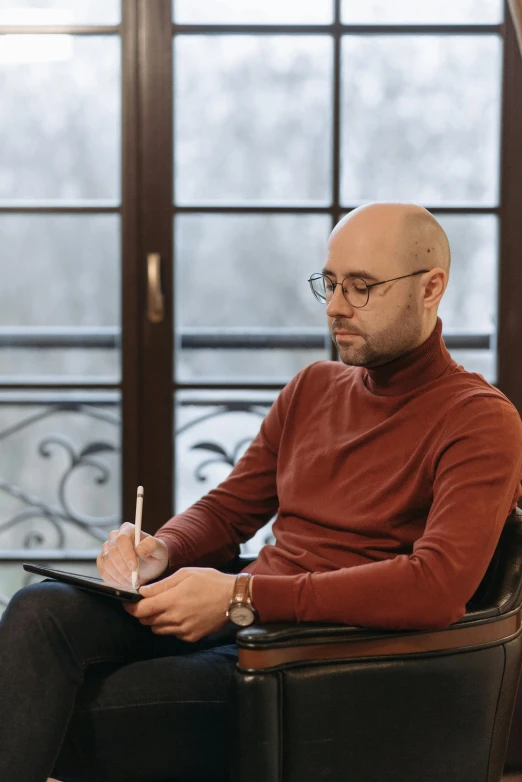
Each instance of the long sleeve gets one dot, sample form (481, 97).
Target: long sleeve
(477, 465)
(210, 531)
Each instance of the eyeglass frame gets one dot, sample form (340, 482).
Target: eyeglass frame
(368, 286)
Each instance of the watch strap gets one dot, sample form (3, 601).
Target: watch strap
(241, 592)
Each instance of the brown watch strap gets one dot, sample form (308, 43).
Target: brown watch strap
(249, 589)
(241, 591)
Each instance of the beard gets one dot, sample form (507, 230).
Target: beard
(400, 336)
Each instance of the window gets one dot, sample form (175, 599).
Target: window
(227, 139)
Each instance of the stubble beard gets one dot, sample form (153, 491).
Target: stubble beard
(384, 346)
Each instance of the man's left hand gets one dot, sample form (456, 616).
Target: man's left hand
(189, 604)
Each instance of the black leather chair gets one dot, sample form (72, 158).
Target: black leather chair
(340, 703)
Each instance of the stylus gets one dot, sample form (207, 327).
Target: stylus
(137, 530)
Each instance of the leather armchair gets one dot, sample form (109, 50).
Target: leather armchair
(329, 702)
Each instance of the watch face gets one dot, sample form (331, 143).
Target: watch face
(241, 615)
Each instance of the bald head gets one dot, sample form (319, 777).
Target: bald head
(426, 242)
(406, 235)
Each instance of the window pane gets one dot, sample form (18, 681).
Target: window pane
(254, 365)
(60, 468)
(482, 361)
(252, 118)
(60, 121)
(35, 12)
(227, 421)
(413, 12)
(61, 272)
(254, 11)
(428, 134)
(249, 273)
(470, 301)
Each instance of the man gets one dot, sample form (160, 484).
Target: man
(391, 472)
(370, 462)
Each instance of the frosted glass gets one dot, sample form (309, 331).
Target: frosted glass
(428, 133)
(252, 118)
(248, 272)
(422, 12)
(60, 124)
(61, 271)
(253, 11)
(52, 12)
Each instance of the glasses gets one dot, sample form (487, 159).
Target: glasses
(356, 292)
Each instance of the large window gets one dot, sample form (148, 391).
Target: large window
(286, 116)
(169, 175)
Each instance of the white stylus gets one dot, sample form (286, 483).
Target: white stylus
(137, 530)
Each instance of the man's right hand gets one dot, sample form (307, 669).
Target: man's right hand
(150, 557)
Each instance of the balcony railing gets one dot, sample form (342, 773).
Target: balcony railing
(108, 337)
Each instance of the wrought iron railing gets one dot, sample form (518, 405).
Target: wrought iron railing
(61, 516)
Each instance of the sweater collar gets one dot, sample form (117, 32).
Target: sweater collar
(424, 363)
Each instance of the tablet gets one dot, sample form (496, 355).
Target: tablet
(90, 583)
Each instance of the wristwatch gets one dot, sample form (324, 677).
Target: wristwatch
(241, 610)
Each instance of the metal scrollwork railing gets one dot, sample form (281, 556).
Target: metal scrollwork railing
(62, 512)
(62, 516)
(221, 455)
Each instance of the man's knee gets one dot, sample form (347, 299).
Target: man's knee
(32, 604)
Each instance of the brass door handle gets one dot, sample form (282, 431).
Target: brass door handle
(155, 302)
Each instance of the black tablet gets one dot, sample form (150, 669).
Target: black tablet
(91, 583)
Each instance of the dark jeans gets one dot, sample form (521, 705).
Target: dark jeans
(89, 694)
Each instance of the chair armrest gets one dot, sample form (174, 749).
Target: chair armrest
(272, 646)
(492, 616)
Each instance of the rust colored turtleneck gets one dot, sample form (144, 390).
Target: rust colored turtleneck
(391, 486)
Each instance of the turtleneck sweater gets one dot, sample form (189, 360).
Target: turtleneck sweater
(391, 486)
